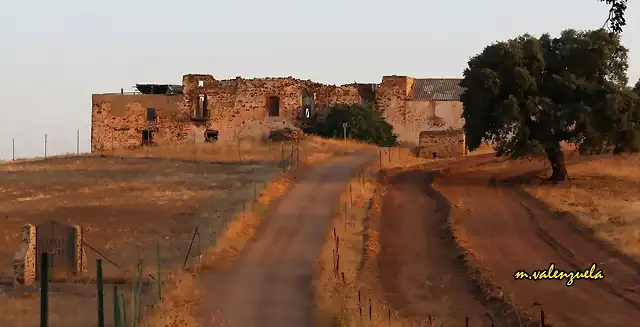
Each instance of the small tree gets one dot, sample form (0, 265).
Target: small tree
(527, 95)
(364, 123)
(636, 88)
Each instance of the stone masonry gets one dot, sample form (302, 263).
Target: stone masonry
(24, 264)
(438, 144)
(25, 261)
(252, 107)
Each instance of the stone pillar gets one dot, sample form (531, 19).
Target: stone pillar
(24, 263)
(81, 256)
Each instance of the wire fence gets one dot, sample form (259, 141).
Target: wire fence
(125, 288)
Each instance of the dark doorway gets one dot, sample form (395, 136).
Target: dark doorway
(273, 106)
(151, 114)
(211, 135)
(147, 137)
(434, 155)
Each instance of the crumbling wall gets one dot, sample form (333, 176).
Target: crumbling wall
(238, 107)
(447, 143)
(391, 100)
(117, 120)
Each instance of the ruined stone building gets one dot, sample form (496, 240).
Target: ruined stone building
(203, 108)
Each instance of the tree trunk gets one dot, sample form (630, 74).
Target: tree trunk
(556, 158)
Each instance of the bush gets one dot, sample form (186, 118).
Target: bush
(364, 123)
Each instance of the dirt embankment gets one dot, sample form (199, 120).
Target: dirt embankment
(503, 230)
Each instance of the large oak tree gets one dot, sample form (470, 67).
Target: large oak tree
(528, 95)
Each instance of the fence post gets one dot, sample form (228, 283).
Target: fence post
(134, 287)
(45, 146)
(345, 215)
(124, 311)
(159, 280)
(44, 290)
(136, 297)
(113, 147)
(239, 149)
(13, 149)
(78, 142)
(116, 307)
(100, 293)
(380, 157)
(195, 148)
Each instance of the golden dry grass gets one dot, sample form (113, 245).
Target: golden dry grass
(604, 194)
(141, 200)
(311, 149)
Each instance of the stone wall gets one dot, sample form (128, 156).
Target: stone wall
(117, 120)
(24, 264)
(447, 143)
(237, 107)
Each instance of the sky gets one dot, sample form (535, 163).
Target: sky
(55, 54)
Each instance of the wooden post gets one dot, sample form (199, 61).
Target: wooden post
(100, 293)
(159, 278)
(77, 142)
(117, 319)
(45, 146)
(345, 216)
(44, 290)
(124, 311)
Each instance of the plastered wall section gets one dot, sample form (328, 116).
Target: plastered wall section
(409, 117)
(430, 116)
(117, 120)
(238, 108)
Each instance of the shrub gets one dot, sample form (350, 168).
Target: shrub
(364, 123)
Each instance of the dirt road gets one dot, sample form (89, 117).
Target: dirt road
(418, 265)
(508, 230)
(269, 284)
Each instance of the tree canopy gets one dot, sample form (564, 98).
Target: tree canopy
(364, 123)
(615, 21)
(528, 95)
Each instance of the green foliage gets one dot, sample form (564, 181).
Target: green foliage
(615, 21)
(636, 88)
(526, 95)
(364, 123)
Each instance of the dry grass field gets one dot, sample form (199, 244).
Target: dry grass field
(604, 194)
(130, 202)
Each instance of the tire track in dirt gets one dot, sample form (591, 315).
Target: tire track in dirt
(421, 272)
(507, 230)
(269, 284)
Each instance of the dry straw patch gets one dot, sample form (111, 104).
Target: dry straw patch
(604, 194)
(311, 149)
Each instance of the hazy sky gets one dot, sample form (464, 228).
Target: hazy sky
(55, 54)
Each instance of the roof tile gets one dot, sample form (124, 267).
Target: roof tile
(436, 89)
